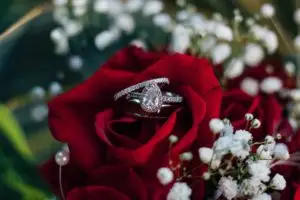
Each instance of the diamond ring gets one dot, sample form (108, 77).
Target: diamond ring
(152, 99)
(130, 89)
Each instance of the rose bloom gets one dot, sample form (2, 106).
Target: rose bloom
(266, 108)
(116, 157)
(267, 68)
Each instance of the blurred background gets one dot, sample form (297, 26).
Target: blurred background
(48, 47)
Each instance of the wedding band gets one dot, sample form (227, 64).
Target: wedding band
(130, 89)
(167, 97)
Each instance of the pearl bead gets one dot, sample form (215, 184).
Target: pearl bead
(62, 158)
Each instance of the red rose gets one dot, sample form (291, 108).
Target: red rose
(266, 108)
(115, 156)
(267, 68)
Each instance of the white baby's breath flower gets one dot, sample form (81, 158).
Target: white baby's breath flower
(239, 149)
(227, 130)
(297, 16)
(206, 175)
(186, 156)
(258, 31)
(215, 164)
(165, 175)
(240, 146)
(295, 94)
(234, 68)
(216, 125)
(126, 23)
(242, 135)
(153, 7)
(223, 32)
(37, 93)
(270, 41)
(281, 152)
(73, 28)
(182, 15)
(205, 154)
(79, 11)
(180, 39)
(39, 112)
(55, 89)
(253, 54)
(59, 2)
(163, 20)
(255, 123)
(250, 86)
(106, 38)
(252, 187)
(207, 43)
(133, 5)
(198, 23)
(259, 171)
(222, 145)
(220, 53)
(229, 187)
(278, 182)
(101, 6)
(263, 196)
(139, 43)
(179, 191)
(267, 10)
(271, 85)
(173, 138)
(297, 43)
(290, 68)
(75, 62)
(263, 153)
(270, 143)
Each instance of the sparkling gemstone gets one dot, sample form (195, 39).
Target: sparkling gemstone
(152, 98)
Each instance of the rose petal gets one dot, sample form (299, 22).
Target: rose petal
(96, 193)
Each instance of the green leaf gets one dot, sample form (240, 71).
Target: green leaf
(13, 132)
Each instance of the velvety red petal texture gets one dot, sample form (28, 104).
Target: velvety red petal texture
(117, 156)
(266, 108)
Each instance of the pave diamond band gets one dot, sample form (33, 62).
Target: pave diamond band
(139, 86)
(167, 97)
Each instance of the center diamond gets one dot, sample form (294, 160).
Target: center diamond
(151, 98)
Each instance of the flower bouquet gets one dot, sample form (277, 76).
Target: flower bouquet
(211, 115)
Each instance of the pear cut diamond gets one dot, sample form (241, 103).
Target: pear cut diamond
(152, 99)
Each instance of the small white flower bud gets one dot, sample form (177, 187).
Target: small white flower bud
(270, 85)
(216, 125)
(250, 86)
(297, 16)
(206, 176)
(173, 138)
(267, 10)
(281, 152)
(187, 156)
(249, 116)
(255, 123)
(290, 68)
(205, 154)
(297, 43)
(226, 121)
(278, 136)
(278, 182)
(215, 164)
(165, 175)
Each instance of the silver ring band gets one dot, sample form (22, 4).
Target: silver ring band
(130, 89)
(167, 97)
